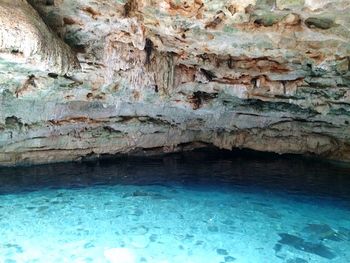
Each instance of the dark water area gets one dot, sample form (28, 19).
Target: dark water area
(200, 169)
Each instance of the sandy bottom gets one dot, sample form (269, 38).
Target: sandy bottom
(126, 223)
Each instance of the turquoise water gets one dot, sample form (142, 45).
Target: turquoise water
(198, 207)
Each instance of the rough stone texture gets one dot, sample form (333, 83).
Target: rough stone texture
(25, 40)
(170, 75)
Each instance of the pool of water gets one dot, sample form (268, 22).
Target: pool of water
(192, 207)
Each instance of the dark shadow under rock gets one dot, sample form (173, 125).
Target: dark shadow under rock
(309, 247)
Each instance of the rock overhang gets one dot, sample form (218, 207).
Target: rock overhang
(267, 75)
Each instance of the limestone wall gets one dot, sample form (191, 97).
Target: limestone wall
(171, 75)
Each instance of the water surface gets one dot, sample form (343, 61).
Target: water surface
(192, 207)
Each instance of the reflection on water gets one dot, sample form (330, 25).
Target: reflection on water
(190, 207)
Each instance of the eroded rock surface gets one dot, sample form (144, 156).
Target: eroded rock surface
(26, 41)
(167, 75)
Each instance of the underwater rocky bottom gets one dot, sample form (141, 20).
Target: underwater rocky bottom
(204, 206)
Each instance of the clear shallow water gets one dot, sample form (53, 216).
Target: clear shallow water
(197, 207)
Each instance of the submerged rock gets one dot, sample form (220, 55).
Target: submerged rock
(296, 260)
(229, 259)
(323, 232)
(222, 251)
(309, 247)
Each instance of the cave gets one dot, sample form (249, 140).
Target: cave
(175, 131)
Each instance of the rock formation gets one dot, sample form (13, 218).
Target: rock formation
(25, 40)
(83, 78)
